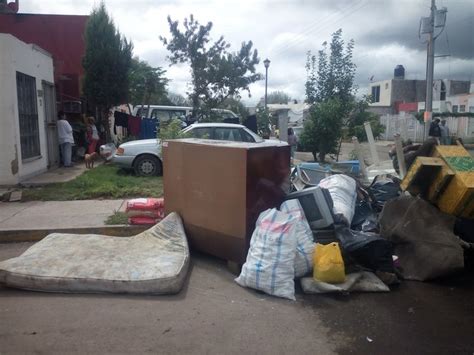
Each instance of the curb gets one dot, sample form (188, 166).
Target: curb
(34, 235)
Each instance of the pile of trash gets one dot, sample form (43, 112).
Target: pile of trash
(145, 211)
(336, 234)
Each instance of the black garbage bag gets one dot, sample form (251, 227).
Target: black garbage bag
(366, 248)
(384, 188)
(365, 218)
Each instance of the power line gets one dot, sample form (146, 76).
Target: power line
(301, 35)
(320, 26)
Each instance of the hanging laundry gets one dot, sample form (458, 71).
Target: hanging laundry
(134, 125)
(148, 128)
(121, 120)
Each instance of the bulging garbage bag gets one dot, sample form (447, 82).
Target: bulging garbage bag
(304, 237)
(328, 263)
(343, 193)
(270, 260)
(366, 248)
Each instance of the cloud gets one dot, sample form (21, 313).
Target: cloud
(385, 34)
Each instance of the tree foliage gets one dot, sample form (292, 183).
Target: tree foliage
(331, 73)
(278, 97)
(147, 84)
(330, 88)
(359, 115)
(107, 62)
(216, 73)
(263, 123)
(322, 132)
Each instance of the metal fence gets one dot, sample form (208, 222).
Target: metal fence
(410, 128)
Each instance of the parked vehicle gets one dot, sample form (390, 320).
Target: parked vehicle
(184, 113)
(144, 156)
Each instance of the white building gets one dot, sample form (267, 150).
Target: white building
(296, 112)
(28, 138)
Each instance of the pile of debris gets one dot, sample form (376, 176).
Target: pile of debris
(359, 237)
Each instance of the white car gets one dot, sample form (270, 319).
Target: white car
(144, 156)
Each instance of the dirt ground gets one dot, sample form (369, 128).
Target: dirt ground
(215, 315)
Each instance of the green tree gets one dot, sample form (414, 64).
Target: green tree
(358, 116)
(321, 133)
(278, 97)
(147, 84)
(107, 62)
(216, 73)
(330, 88)
(263, 122)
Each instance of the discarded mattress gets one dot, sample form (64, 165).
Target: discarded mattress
(153, 262)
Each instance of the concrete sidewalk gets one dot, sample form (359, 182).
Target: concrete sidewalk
(20, 221)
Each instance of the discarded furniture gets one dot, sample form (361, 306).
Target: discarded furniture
(458, 197)
(427, 177)
(220, 188)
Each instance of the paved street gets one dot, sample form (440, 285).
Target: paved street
(214, 315)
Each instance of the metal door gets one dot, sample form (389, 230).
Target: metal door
(51, 124)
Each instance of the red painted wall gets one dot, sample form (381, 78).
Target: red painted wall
(60, 35)
(407, 107)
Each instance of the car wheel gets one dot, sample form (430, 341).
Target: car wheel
(147, 165)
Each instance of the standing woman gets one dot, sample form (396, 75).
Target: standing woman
(92, 135)
(66, 139)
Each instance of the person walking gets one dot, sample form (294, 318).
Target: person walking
(444, 133)
(66, 139)
(435, 130)
(92, 135)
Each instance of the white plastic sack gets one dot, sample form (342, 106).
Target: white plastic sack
(342, 189)
(363, 281)
(304, 238)
(270, 261)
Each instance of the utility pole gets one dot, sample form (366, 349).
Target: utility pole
(430, 65)
(437, 19)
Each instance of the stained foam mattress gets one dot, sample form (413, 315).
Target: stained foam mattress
(153, 262)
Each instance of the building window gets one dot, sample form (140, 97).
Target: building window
(376, 93)
(28, 115)
(386, 86)
(462, 108)
(455, 108)
(471, 109)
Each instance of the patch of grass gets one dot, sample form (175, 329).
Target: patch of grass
(117, 218)
(105, 181)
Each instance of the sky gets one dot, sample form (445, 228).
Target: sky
(385, 34)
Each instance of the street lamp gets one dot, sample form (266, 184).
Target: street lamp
(266, 63)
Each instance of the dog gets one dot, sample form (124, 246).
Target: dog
(89, 159)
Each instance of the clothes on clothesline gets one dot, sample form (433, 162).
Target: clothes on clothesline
(148, 128)
(142, 128)
(121, 120)
(134, 125)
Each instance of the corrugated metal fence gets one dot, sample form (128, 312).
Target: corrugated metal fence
(409, 127)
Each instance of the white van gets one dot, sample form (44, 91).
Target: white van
(165, 113)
